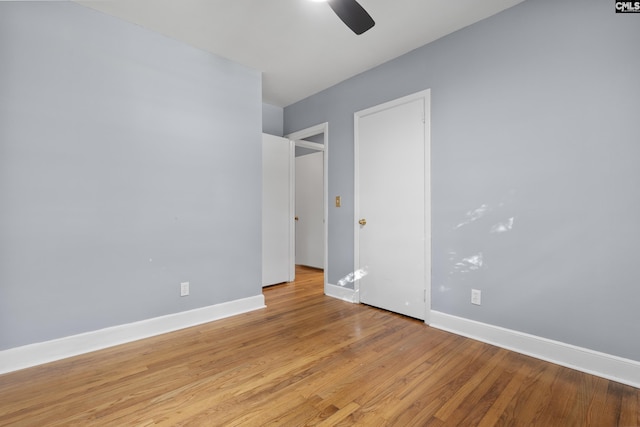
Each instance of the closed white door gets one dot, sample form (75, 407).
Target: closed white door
(277, 210)
(392, 206)
(310, 210)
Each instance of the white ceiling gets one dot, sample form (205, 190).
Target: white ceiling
(301, 46)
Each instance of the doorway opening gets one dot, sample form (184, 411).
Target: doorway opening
(311, 183)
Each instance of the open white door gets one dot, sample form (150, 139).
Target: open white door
(277, 210)
(393, 205)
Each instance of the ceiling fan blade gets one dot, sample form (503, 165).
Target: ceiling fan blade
(352, 14)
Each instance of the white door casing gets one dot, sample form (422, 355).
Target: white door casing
(392, 188)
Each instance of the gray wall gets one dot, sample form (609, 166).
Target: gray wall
(536, 185)
(272, 119)
(117, 150)
(303, 151)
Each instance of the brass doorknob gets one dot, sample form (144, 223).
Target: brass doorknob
(362, 222)
(296, 218)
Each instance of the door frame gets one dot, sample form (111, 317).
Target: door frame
(425, 95)
(297, 137)
(307, 227)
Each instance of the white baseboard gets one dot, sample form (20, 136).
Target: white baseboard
(26, 356)
(340, 292)
(604, 365)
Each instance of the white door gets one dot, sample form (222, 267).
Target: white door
(277, 210)
(310, 210)
(392, 205)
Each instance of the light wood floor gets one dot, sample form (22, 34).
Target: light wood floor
(308, 359)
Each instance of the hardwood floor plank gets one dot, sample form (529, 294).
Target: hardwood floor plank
(463, 406)
(431, 389)
(480, 376)
(605, 405)
(340, 415)
(497, 413)
(308, 359)
(532, 397)
(630, 406)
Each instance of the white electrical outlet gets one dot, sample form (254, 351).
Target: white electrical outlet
(184, 289)
(476, 297)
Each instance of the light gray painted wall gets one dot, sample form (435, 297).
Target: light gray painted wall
(303, 151)
(272, 119)
(535, 178)
(118, 148)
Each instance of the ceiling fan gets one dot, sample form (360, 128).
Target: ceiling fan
(352, 14)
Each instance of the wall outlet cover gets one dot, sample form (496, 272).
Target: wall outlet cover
(476, 297)
(184, 289)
